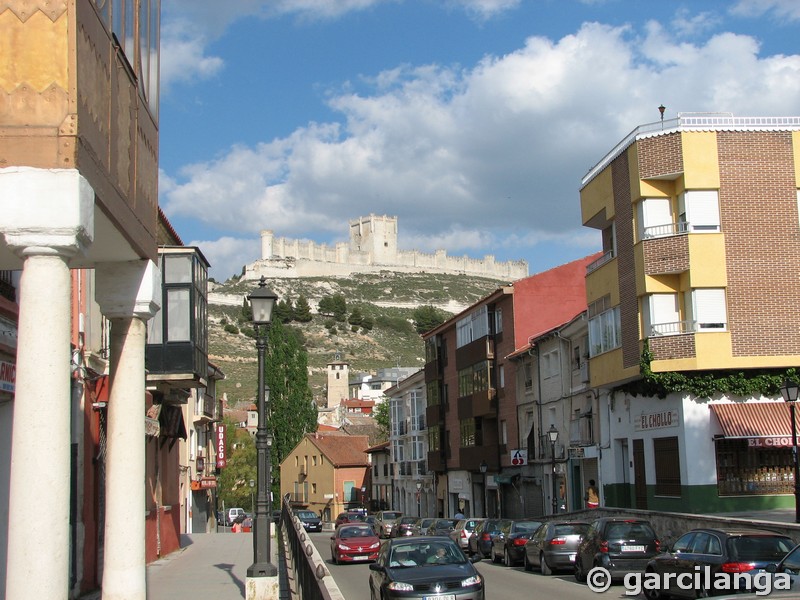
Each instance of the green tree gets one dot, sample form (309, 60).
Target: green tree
(292, 412)
(427, 317)
(234, 479)
(283, 311)
(356, 318)
(325, 306)
(246, 315)
(339, 307)
(367, 324)
(302, 310)
(383, 418)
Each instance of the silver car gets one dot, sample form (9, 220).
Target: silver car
(385, 521)
(463, 531)
(553, 546)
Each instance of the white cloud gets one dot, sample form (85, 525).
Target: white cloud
(781, 9)
(482, 159)
(228, 255)
(485, 9)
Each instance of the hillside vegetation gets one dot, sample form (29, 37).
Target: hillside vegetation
(388, 299)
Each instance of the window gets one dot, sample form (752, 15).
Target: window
(550, 366)
(472, 327)
(655, 218)
(314, 461)
(503, 432)
(668, 466)
(527, 375)
(700, 210)
(474, 378)
(604, 329)
(498, 320)
(502, 375)
(708, 309)
(434, 439)
(661, 315)
(313, 488)
(432, 391)
(467, 427)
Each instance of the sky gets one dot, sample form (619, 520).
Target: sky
(472, 121)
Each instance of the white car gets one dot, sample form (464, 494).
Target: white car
(233, 514)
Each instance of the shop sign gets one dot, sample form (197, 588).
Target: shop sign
(206, 483)
(657, 420)
(8, 376)
(783, 441)
(519, 458)
(222, 456)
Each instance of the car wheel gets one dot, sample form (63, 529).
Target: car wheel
(507, 558)
(543, 566)
(333, 558)
(495, 558)
(526, 563)
(579, 574)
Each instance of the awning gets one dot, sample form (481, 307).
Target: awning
(756, 420)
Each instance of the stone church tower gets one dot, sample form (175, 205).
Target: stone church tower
(338, 378)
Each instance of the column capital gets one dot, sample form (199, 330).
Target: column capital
(46, 211)
(128, 289)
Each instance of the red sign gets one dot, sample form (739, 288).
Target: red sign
(206, 483)
(222, 456)
(8, 376)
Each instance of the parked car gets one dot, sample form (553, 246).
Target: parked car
(509, 543)
(349, 517)
(481, 540)
(724, 550)
(617, 544)
(385, 521)
(422, 525)
(232, 515)
(370, 520)
(309, 519)
(553, 546)
(790, 565)
(423, 567)
(354, 543)
(462, 532)
(440, 527)
(404, 526)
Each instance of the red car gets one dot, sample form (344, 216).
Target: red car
(354, 543)
(349, 517)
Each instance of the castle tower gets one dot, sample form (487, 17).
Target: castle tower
(376, 236)
(266, 244)
(338, 375)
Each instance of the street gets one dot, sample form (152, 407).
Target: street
(501, 582)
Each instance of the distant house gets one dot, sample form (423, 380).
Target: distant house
(327, 473)
(358, 406)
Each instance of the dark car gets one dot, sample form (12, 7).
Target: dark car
(354, 543)
(404, 526)
(480, 542)
(462, 532)
(509, 543)
(553, 546)
(385, 521)
(721, 550)
(349, 517)
(422, 525)
(309, 519)
(441, 527)
(790, 566)
(617, 544)
(424, 567)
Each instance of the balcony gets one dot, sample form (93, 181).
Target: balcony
(665, 230)
(478, 404)
(470, 458)
(206, 410)
(673, 328)
(596, 264)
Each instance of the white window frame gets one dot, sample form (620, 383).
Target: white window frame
(700, 209)
(655, 212)
(709, 309)
(605, 332)
(661, 309)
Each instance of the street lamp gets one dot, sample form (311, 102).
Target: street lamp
(419, 492)
(789, 393)
(252, 504)
(262, 301)
(483, 468)
(552, 433)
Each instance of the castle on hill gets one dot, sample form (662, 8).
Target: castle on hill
(372, 248)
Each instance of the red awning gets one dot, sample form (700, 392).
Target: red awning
(754, 419)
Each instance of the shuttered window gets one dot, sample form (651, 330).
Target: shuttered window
(668, 466)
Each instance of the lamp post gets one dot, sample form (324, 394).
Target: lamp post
(262, 302)
(789, 393)
(552, 433)
(419, 500)
(483, 468)
(252, 504)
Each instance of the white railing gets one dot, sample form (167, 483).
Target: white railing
(674, 328)
(667, 230)
(596, 264)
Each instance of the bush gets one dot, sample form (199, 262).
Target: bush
(232, 329)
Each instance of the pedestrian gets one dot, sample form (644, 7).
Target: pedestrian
(592, 496)
(458, 515)
(237, 525)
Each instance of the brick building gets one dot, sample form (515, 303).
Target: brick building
(699, 278)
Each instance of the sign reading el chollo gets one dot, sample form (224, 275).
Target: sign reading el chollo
(657, 420)
(222, 456)
(777, 441)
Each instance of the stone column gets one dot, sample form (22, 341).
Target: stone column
(47, 219)
(128, 294)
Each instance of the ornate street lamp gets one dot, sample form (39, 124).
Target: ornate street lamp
(262, 301)
(789, 392)
(552, 433)
(419, 500)
(483, 468)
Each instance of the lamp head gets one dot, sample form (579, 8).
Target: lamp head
(262, 301)
(789, 390)
(552, 433)
(661, 109)
(484, 467)
(419, 484)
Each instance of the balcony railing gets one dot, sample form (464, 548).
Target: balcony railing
(666, 230)
(596, 264)
(674, 328)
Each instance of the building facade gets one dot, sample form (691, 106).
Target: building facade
(693, 311)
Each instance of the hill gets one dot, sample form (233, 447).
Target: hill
(389, 299)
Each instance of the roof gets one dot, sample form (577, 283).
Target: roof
(382, 447)
(356, 403)
(342, 450)
(755, 420)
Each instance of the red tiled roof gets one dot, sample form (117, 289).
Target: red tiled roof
(356, 402)
(342, 450)
(378, 448)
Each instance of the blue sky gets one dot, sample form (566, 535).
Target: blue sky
(472, 121)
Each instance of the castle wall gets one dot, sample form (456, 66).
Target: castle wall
(372, 248)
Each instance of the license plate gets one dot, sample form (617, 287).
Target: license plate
(361, 557)
(572, 557)
(445, 597)
(632, 548)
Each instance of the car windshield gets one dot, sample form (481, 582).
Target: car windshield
(630, 531)
(389, 516)
(408, 520)
(352, 532)
(306, 514)
(759, 547)
(425, 554)
(573, 529)
(356, 517)
(526, 526)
